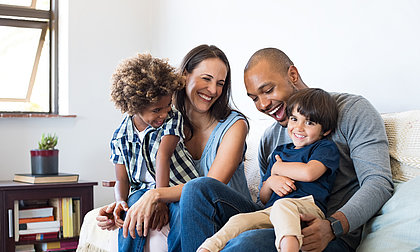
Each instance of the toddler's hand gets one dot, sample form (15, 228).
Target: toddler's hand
(281, 185)
(276, 166)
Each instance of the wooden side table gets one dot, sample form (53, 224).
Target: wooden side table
(11, 191)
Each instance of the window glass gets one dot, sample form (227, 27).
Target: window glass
(25, 62)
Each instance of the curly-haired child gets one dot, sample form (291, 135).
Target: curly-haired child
(147, 148)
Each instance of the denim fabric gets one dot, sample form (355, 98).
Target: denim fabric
(263, 240)
(174, 236)
(206, 205)
(137, 244)
(130, 244)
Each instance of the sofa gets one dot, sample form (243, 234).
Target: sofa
(396, 227)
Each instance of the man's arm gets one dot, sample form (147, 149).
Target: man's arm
(368, 149)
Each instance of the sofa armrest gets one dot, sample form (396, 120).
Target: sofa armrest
(93, 239)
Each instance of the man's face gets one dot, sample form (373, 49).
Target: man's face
(269, 90)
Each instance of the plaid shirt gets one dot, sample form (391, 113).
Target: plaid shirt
(127, 149)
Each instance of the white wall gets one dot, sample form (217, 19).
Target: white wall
(364, 47)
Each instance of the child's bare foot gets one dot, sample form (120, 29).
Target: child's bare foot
(203, 250)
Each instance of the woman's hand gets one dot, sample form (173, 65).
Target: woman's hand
(281, 185)
(160, 216)
(139, 216)
(120, 206)
(105, 217)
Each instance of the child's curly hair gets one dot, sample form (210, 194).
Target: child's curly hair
(140, 81)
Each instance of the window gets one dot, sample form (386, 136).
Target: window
(28, 56)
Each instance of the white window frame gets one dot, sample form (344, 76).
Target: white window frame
(29, 17)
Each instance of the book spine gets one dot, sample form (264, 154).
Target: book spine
(16, 220)
(39, 225)
(29, 220)
(36, 212)
(37, 237)
(71, 224)
(65, 218)
(76, 219)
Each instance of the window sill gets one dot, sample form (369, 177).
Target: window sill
(32, 115)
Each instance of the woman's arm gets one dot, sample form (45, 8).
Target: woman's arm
(230, 152)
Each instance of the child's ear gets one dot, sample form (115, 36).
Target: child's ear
(326, 133)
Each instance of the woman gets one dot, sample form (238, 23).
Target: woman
(215, 137)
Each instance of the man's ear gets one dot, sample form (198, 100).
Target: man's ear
(293, 74)
(326, 133)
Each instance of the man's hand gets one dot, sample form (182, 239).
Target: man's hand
(317, 234)
(281, 185)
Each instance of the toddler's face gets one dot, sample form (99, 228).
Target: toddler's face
(302, 131)
(155, 114)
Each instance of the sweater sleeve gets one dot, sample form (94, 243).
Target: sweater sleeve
(364, 130)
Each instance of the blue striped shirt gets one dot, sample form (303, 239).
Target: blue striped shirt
(128, 149)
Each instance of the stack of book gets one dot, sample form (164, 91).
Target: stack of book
(58, 218)
(44, 179)
(37, 224)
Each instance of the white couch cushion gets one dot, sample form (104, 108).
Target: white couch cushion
(396, 225)
(403, 131)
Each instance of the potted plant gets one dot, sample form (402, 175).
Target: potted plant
(44, 160)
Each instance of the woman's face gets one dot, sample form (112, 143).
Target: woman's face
(204, 84)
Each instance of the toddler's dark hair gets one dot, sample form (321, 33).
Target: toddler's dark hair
(317, 105)
(140, 81)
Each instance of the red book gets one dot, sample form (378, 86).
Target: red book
(59, 246)
(28, 220)
(37, 237)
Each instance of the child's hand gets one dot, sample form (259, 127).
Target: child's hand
(281, 185)
(105, 217)
(120, 206)
(276, 166)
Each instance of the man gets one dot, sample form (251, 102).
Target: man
(363, 182)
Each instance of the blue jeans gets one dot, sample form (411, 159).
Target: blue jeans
(263, 240)
(130, 244)
(137, 244)
(207, 204)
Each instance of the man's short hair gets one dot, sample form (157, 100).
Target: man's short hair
(275, 57)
